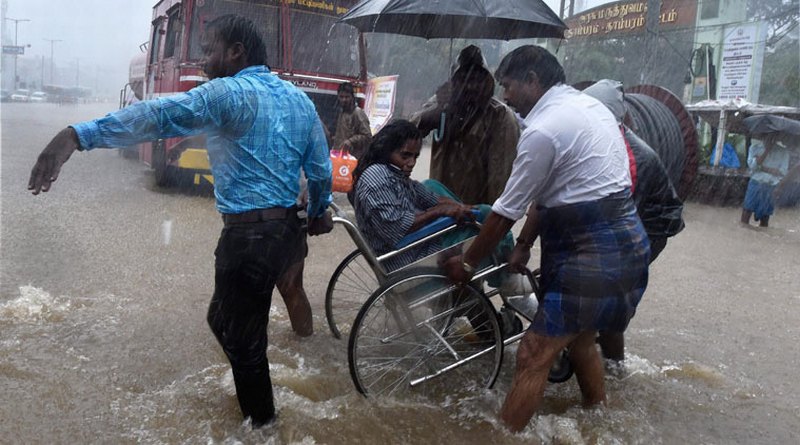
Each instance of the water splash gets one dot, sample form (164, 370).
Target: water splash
(34, 305)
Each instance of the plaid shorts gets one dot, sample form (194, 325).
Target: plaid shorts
(594, 266)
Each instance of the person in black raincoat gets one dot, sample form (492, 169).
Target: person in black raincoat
(657, 202)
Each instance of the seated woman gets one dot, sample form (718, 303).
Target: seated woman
(389, 204)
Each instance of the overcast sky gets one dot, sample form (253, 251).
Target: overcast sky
(92, 30)
(103, 33)
(99, 33)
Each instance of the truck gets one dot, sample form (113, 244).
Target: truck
(304, 46)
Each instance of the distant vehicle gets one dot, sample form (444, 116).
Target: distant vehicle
(21, 95)
(39, 96)
(62, 94)
(5, 96)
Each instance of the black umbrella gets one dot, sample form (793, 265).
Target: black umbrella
(762, 124)
(468, 19)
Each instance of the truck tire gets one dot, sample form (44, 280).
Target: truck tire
(163, 172)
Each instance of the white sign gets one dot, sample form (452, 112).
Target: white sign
(379, 103)
(742, 57)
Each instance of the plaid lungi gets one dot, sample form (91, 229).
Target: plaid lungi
(594, 266)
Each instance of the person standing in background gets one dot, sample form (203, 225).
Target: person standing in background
(352, 127)
(769, 163)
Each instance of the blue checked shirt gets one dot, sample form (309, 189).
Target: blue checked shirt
(260, 132)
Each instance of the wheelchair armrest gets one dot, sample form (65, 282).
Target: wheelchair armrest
(432, 227)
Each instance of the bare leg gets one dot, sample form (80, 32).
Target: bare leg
(764, 222)
(612, 344)
(746, 214)
(588, 368)
(290, 286)
(535, 356)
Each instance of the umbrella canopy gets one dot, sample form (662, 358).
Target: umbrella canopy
(762, 124)
(468, 19)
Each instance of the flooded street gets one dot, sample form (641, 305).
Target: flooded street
(105, 282)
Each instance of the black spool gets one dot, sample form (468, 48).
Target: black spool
(653, 122)
(660, 118)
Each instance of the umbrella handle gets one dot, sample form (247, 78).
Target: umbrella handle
(438, 133)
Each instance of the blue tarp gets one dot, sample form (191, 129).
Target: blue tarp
(729, 157)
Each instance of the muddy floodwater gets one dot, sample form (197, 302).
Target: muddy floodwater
(105, 281)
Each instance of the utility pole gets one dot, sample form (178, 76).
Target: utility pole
(77, 72)
(52, 42)
(651, 26)
(16, 23)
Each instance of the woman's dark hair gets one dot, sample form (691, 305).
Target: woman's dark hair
(518, 63)
(391, 138)
(234, 28)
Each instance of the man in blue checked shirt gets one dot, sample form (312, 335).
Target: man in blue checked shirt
(261, 131)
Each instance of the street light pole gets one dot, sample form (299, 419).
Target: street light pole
(16, 23)
(52, 42)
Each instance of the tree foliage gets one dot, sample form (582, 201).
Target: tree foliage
(781, 17)
(780, 79)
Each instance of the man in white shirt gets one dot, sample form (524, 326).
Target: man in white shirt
(572, 165)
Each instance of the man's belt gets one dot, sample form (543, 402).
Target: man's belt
(258, 215)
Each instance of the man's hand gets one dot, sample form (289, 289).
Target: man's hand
(455, 271)
(50, 160)
(519, 258)
(321, 224)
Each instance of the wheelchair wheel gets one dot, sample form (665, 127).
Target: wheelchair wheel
(350, 286)
(561, 371)
(420, 335)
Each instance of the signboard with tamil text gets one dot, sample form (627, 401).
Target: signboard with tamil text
(628, 17)
(740, 67)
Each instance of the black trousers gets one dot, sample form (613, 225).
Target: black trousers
(249, 259)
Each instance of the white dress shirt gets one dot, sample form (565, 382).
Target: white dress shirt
(571, 150)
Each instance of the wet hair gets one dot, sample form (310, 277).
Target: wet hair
(519, 63)
(233, 28)
(347, 87)
(391, 138)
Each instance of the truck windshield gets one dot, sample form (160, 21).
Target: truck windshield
(316, 45)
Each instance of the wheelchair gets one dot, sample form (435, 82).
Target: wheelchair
(410, 326)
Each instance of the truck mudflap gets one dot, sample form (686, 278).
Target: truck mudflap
(196, 160)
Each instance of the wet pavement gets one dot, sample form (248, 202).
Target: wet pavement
(105, 280)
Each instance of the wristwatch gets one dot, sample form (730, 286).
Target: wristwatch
(467, 268)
